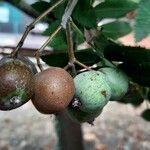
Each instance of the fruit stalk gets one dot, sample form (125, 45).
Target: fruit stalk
(44, 45)
(32, 25)
(70, 48)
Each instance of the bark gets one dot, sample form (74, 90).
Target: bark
(69, 133)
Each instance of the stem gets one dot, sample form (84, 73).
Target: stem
(32, 25)
(38, 61)
(37, 54)
(70, 48)
(90, 44)
(82, 65)
(70, 43)
(50, 38)
(82, 35)
(68, 12)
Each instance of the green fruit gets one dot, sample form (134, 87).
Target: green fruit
(16, 81)
(118, 82)
(78, 115)
(92, 90)
(53, 90)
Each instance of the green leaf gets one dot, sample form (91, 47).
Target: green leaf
(138, 73)
(116, 29)
(41, 6)
(59, 11)
(16, 1)
(59, 41)
(114, 8)
(143, 20)
(60, 59)
(84, 14)
(146, 114)
(133, 97)
(128, 54)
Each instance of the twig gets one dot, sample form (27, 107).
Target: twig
(38, 61)
(32, 25)
(70, 48)
(68, 12)
(37, 54)
(82, 65)
(50, 38)
(89, 43)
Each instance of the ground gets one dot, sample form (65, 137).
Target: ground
(118, 127)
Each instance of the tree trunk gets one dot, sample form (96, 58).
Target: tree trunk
(69, 133)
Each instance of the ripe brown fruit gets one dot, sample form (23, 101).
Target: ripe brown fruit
(16, 82)
(54, 89)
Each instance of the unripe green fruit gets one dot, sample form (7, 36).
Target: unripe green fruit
(16, 82)
(92, 90)
(118, 82)
(80, 116)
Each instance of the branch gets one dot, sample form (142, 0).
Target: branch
(25, 8)
(68, 12)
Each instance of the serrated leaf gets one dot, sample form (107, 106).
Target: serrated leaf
(136, 61)
(132, 55)
(84, 14)
(60, 59)
(146, 114)
(143, 20)
(116, 29)
(114, 8)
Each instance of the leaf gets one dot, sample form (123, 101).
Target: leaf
(16, 1)
(84, 14)
(133, 97)
(60, 59)
(146, 114)
(100, 43)
(114, 8)
(59, 41)
(138, 73)
(59, 11)
(128, 54)
(116, 29)
(143, 20)
(41, 6)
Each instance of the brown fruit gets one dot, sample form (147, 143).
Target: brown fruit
(16, 82)
(54, 89)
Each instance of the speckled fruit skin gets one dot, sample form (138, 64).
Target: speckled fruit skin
(80, 116)
(16, 82)
(92, 90)
(118, 82)
(54, 89)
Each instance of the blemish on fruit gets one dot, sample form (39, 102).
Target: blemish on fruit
(104, 93)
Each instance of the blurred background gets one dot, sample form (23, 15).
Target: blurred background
(119, 127)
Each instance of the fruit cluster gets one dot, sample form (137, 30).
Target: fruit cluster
(54, 90)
